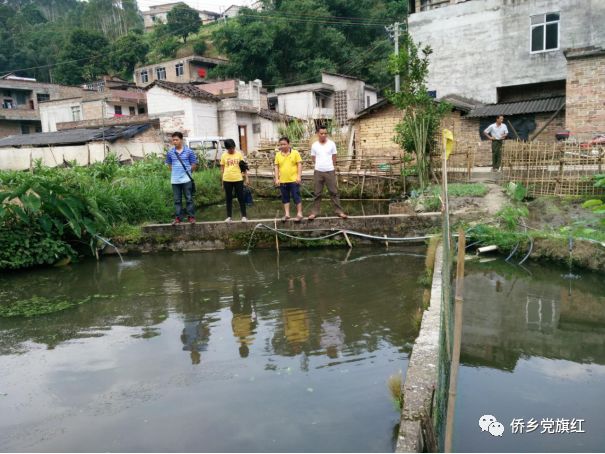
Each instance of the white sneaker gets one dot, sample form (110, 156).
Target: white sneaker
(244, 219)
(228, 220)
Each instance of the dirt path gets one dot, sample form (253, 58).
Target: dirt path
(477, 207)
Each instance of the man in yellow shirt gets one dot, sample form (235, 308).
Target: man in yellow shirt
(288, 175)
(233, 179)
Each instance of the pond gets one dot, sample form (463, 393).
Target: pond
(533, 356)
(270, 209)
(220, 352)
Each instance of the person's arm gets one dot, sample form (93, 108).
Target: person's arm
(168, 161)
(334, 155)
(244, 173)
(276, 174)
(193, 161)
(505, 133)
(486, 133)
(313, 156)
(299, 177)
(222, 170)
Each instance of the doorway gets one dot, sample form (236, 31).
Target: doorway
(243, 138)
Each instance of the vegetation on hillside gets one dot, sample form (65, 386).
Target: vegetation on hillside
(288, 42)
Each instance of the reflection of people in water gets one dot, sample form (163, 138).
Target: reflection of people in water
(195, 337)
(243, 322)
(332, 337)
(296, 320)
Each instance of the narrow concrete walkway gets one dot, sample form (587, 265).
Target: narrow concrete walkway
(236, 235)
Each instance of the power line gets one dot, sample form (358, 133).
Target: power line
(358, 58)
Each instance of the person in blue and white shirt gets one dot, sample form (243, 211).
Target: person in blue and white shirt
(180, 172)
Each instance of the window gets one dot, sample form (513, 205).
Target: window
(544, 32)
(320, 100)
(132, 111)
(144, 76)
(76, 114)
(160, 73)
(38, 128)
(41, 97)
(141, 110)
(117, 110)
(180, 70)
(24, 128)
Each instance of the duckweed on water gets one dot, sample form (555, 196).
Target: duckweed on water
(38, 305)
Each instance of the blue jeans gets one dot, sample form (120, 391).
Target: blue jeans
(177, 191)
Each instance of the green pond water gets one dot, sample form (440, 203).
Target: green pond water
(220, 352)
(533, 347)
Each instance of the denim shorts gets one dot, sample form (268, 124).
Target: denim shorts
(290, 188)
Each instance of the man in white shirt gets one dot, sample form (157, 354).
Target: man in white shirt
(323, 153)
(496, 132)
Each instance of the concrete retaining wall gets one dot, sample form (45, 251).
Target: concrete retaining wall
(205, 236)
(25, 158)
(421, 378)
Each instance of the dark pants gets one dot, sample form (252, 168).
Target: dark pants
(288, 189)
(321, 179)
(496, 153)
(239, 192)
(177, 192)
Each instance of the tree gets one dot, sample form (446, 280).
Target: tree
(84, 58)
(183, 20)
(126, 52)
(276, 49)
(422, 114)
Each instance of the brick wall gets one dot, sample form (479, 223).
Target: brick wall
(374, 133)
(467, 138)
(585, 97)
(9, 128)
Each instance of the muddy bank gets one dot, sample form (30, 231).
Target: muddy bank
(585, 254)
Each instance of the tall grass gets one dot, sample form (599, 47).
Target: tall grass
(123, 195)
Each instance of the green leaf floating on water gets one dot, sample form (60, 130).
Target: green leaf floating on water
(38, 305)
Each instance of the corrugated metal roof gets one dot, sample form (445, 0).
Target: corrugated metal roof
(551, 104)
(74, 136)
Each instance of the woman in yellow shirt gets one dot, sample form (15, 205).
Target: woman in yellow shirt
(288, 174)
(233, 179)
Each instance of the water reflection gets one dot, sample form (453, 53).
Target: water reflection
(176, 336)
(243, 322)
(533, 346)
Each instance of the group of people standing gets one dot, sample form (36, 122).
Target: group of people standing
(182, 161)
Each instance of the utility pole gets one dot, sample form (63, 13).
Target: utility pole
(397, 76)
(393, 31)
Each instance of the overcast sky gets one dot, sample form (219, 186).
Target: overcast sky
(210, 5)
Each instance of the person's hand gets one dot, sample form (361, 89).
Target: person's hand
(298, 180)
(277, 182)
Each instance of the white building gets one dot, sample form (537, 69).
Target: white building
(237, 113)
(159, 14)
(497, 51)
(337, 97)
(91, 105)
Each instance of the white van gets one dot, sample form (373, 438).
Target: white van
(211, 147)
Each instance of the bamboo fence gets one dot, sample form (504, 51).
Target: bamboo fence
(560, 169)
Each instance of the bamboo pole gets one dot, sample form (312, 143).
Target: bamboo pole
(457, 342)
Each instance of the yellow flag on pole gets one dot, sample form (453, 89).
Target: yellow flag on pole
(448, 142)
